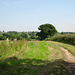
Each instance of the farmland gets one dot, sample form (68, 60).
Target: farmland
(36, 58)
(37, 37)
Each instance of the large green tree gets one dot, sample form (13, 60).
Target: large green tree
(46, 30)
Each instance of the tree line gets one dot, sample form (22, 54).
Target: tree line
(11, 35)
(45, 31)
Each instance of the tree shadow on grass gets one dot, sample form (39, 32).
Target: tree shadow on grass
(15, 66)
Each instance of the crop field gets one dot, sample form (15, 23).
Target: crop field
(36, 58)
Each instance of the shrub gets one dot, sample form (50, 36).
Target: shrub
(66, 38)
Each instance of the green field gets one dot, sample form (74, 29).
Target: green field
(34, 58)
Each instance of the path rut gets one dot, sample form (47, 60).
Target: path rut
(70, 61)
(69, 57)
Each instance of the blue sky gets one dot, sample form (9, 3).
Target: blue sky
(28, 15)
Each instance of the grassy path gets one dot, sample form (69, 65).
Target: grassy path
(69, 57)
(70, 60)
(69, 54)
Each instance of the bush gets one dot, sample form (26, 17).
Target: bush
(2, 37)
(66, 38)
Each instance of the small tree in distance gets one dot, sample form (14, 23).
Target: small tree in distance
(46, 30)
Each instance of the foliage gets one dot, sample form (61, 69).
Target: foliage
(11, 35)
(66, 38)
(24, 35)
(12, 32)
(19, 37)
(2, 37)
(46, 30)
(67, 33)
(33, 35)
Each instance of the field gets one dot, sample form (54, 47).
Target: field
(36, 58)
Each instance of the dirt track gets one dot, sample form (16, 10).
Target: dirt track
(69, 57)
(70, 60)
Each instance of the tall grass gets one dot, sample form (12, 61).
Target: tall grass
(39, 58)
(9, 48)
(66, 38)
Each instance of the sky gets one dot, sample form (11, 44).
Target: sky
(28, 15)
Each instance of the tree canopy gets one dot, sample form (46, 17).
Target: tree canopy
(46, 30)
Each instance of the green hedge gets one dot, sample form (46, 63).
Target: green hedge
(66, 38)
